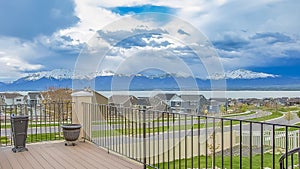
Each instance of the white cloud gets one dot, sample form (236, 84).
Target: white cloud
(216, 19)
(13, 66)
(92, 17)
(17, 56)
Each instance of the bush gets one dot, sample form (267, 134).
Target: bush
(298, 113)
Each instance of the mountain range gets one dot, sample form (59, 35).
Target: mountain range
(107, 80)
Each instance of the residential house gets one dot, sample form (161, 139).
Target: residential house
(215, 104)
(34, 98)
(293, 101)
(152, 103)
(123, 100)
(173, 101)
(13, 98)
(194, 103)
(2, 101)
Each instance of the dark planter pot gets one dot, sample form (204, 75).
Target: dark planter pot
(71, 132)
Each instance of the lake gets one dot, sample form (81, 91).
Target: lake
(211, 94)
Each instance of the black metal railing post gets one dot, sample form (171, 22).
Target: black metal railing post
(144, 140)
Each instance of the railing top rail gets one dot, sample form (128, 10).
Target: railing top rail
(293, 151)
(250, 121)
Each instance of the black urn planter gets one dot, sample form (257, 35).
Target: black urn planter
(71, 133)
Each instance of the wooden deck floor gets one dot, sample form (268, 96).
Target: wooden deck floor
(57, 155)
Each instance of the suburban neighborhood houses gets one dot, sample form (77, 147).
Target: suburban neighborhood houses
(184, 103)
(188, 125)
(30, 98)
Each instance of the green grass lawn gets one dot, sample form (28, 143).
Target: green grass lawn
(289, 128)
(287, 109)
(256, 162)
(32, 138)
(4, 140)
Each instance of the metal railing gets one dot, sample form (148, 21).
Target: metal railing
(179, 140)
(44, 121)
(285, 156)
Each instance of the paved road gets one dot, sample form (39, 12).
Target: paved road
(256, 127)
(259, 113)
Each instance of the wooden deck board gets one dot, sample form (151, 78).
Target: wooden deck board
(40, 159)
(40, 151)
(4, 161)
(56, 155)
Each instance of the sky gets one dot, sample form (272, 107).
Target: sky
(261, 36)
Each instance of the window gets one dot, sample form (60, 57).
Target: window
(18, 100)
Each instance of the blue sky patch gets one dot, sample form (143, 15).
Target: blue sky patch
(28, 19)
(142, 9)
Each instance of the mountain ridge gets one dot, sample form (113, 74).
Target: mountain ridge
(69, 74)
(108, 80)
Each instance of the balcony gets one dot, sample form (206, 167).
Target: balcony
(141, 138)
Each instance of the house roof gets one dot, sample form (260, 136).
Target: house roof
(167, 96)
(192, 97)
(122, 99)
(155, 103)
(218, 99)
(11, 95)
(34, 95)
(144, 101)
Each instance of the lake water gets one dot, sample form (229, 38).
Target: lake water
(210, 94)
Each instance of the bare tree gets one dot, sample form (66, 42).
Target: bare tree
(289, 116)
(57, 95)
(58, 102)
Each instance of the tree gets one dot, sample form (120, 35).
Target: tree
(57, 95)
(57, 102)
(289, 116)
(298, 113)
(223, 109)
(244, 108)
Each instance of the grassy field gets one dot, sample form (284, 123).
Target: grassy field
(256, 162)
(274, 115)
(32, 138)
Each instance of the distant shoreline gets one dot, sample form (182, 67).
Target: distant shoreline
(208, 94)
(212, 94)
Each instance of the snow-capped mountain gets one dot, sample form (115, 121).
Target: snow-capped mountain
(92, 75)
(108, 80)
(69, 74)
(60, 74)
(56, 74)
(242, 74)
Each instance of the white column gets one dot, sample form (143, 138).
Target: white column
(78, 112)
